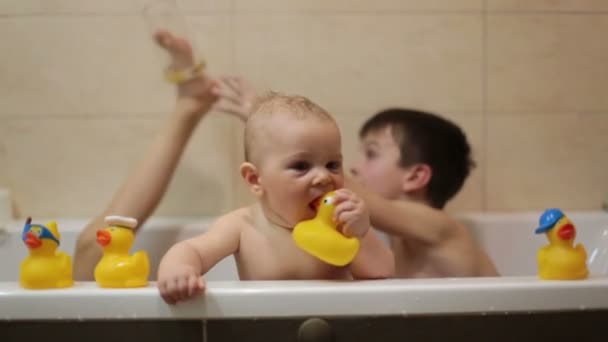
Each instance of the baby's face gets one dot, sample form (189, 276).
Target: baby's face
(302, 161)
(378, 166)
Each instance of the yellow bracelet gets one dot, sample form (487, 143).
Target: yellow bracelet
(185, 75)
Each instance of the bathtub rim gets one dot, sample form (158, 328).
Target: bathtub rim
(289, 299)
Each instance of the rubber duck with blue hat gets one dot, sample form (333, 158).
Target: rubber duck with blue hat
(45, 267)
(560, 259)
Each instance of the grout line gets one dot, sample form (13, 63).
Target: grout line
(484, 106)
(101, 14)
(235, 128)
(233, 11)
(159, 115)
(140, 116)
(548, 12)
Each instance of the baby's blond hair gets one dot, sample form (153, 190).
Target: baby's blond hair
(273, 103)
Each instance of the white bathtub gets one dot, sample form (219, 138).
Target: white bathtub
(508, 238)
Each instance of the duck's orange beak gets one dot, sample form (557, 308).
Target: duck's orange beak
(566, 232)
(32, 241)
(103, 237)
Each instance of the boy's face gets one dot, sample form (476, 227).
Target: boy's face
(302, 161)
(378, 168)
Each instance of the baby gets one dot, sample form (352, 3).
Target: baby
(293, 157)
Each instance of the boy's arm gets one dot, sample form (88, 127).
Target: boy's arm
(374, 260)
(145, 186)
(142, 191)
(406, 219)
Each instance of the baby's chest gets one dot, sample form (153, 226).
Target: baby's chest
(267, 257)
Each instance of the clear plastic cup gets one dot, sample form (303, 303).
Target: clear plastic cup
(166, 15)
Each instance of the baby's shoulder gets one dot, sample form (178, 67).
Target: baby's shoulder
(233, 220)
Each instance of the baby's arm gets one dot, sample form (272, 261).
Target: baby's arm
(180, 269)
(374, 259)
(407, 219)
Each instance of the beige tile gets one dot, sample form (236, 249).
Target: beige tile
(358, 5)
(547, 63)
(359, 63)
(547, 5)
(71, 167)
(540, 161)
(9, 7)
(94, 64)
(20, 7)
(470, 197)
(207, 5)
(3, 159)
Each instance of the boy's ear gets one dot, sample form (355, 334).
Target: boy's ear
(416, 177)
(250, 174)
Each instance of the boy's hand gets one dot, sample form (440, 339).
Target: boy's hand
(179, 283)
(351, 214)
(197, 95)
(236, 96)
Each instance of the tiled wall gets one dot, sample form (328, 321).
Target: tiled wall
(81, 92)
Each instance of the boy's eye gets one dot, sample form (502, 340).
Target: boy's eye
(334, 165)
(300, 166)
(370, 154)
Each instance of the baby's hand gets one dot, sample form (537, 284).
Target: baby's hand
(351, 214)
(197, 95)
(179, 283)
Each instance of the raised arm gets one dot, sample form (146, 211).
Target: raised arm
(145, 186)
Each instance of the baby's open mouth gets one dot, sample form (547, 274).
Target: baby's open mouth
(315, 204)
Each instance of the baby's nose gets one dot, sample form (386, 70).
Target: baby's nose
(353, 171)
(322, 178)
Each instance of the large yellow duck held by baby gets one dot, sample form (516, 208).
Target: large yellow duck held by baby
(560, 259)
(45, 267)
(320, 237)
(118, 269)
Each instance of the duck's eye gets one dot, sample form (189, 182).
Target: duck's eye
(325, 201)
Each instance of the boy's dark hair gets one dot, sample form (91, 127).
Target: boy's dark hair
(427, 138)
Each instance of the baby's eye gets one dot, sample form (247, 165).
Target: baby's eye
(300, 166)
(334, 165)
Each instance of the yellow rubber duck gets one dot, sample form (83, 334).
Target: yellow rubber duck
(45, 267)
(320, 237)
(560, 260)
(118, 269)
